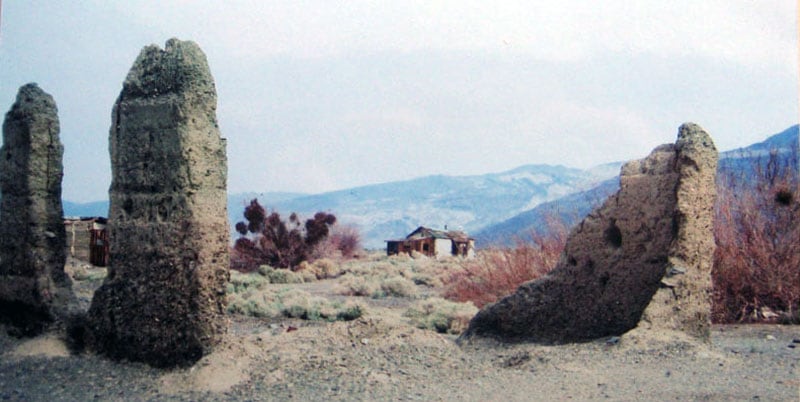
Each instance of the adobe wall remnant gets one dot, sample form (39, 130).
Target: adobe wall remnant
(644, 255)
(34, 290)
(163, 301)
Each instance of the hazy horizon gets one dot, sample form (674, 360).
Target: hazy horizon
(316, 96)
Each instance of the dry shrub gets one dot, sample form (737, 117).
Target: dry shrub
(344, 241)
(240, 282)
(351, 285)
(757, 230)
(396, 286)
(280, 276)
(376, 286)
(292, 303)
(441, 315)
(497, 272)
(326, 268)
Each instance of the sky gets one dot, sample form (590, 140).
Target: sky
(315, 96)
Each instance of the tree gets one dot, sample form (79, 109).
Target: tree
(267, 239)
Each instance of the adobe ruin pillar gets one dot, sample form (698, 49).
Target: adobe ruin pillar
(643, 258)
(34, 290)
(163, 301)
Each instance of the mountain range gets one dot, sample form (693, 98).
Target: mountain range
(495, 208)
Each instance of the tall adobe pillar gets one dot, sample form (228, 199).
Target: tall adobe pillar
(163, 301)
(34, 290)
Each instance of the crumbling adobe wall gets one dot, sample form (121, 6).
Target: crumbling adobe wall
(34, 290)
(654, 237)
(163, 301)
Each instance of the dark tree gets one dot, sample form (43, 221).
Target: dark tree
(267, 239)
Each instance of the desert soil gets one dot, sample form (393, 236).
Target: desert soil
(380, 356)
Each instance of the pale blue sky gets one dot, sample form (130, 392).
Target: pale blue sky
(323, 95)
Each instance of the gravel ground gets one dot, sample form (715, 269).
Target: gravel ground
(382, 357)
(377, 359)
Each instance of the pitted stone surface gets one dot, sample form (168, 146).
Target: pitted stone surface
(645, 254)
(34, 289)
(163, 301)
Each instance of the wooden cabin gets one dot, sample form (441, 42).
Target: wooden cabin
(433, 243)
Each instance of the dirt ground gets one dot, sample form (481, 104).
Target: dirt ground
(381, 356)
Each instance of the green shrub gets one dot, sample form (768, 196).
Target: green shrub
(240, 282)
(292, 303)
(279, 276)
(251, 304)
(350, 312)
(441, 315)
(397, 286)
(350, 285)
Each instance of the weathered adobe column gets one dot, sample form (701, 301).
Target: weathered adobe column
(163, 301)
(34, 290)
(644, 256)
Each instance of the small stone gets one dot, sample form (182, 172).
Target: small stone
(612, 340)
(674, 270)
(769, 338)
(364, 341)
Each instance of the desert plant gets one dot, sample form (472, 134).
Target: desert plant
(279, 276)
(396, 286)
(239, 282)
(344, 241)
(757, 232)
(292, 303)
(497, 272)
(441, 315)
(351, 285)
(267, 239)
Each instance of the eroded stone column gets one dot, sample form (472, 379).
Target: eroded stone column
(654, 237)
(163, 301)
(34, 290)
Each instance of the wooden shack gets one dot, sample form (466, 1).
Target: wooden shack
(433, 243)
(87, 239)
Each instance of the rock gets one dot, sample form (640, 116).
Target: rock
(34, 289)
(163, 301)
(613, 273)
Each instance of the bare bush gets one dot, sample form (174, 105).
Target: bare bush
(757, 230)
(344, 241)
(497, 272)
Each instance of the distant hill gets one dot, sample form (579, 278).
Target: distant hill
(495, 208)
(743, 161)
(571, 209)
(96, 208)
(392, 210)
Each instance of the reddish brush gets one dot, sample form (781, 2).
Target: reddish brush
(757, 230)
(497, 272)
